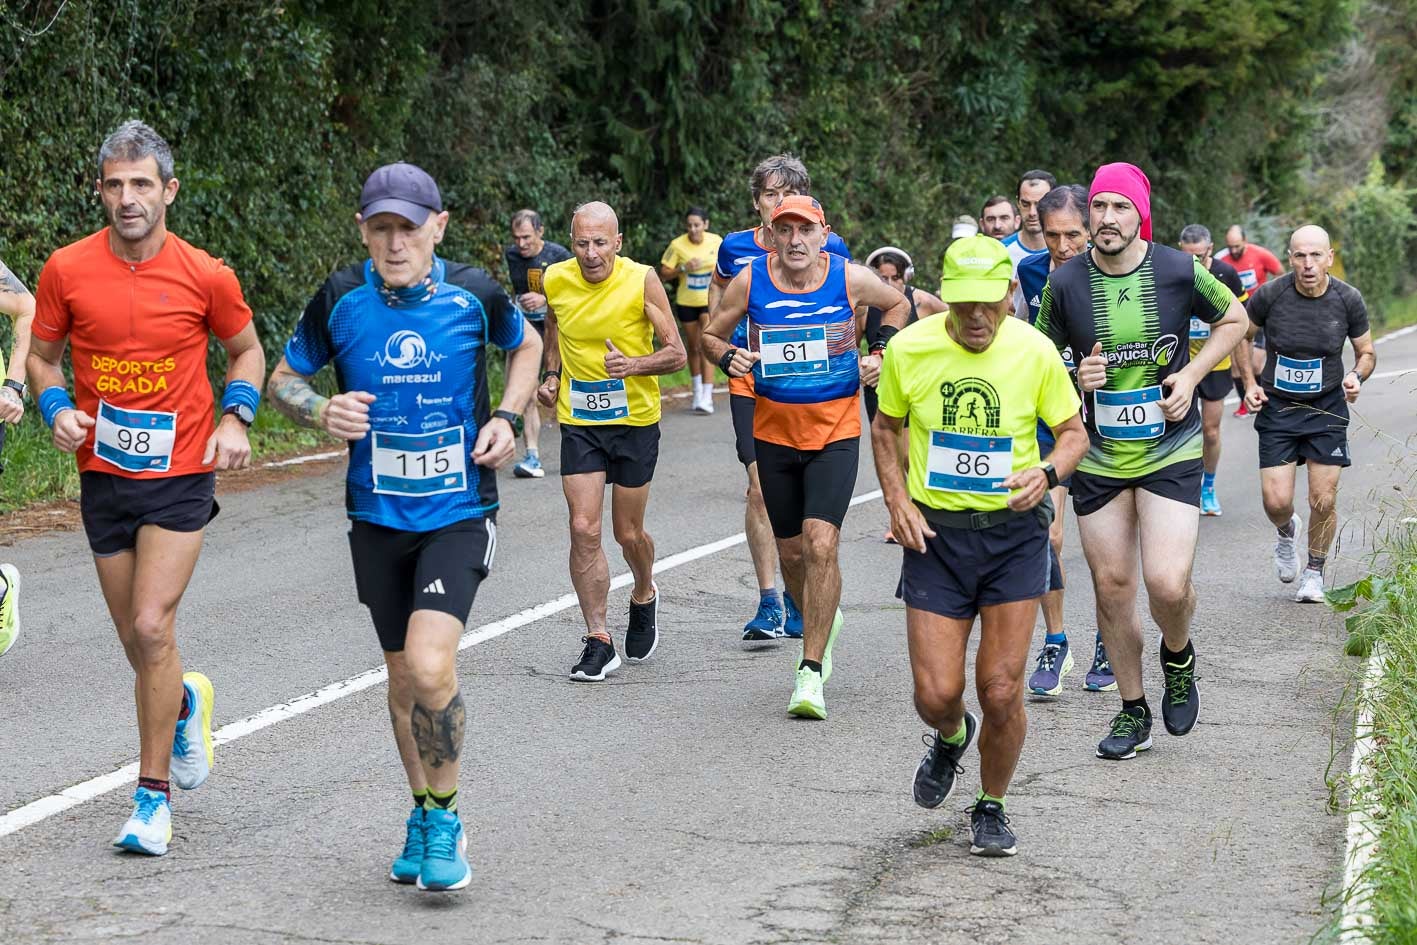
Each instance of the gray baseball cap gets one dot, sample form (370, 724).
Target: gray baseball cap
(403, 189)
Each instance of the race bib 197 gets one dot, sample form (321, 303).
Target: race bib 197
(599, 401)
(419, 464)
(135, 440)
(793, 350)
(958, 462)
(1130, 414)
(1298, 377)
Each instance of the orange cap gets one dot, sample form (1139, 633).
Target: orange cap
(801, 206)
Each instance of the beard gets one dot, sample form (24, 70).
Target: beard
(1127, 241)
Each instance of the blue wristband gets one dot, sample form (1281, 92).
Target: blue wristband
(240, 394)
(53, 401)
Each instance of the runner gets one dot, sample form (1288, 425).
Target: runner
(895, 268)
(1063, 214)
(527, 259)
(1028, 240)
(407, 333)
(804, 339)
(1195, 239)
(774, 179)
(1303, 397)
(973, 515)
(604, 313)
(689, 260)
(18, 304)
(999, 218)
(1128, 303)
(1255, 265)
(146, 442)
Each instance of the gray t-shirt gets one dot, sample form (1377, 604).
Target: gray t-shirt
(1300, 331)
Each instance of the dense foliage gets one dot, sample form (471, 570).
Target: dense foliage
(908, 112)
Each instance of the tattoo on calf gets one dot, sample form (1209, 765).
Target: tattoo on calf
(439, 732)
(295, 398)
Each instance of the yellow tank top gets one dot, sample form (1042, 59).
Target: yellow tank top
(586, 315)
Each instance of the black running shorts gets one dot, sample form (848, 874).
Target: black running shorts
(1315, 430)
(690, 313)
(397, 572)
(962, 570)
(627, 455)
(1180, 481)
(115, 507)
(802, 484)
(742, 410)
(1216, 385)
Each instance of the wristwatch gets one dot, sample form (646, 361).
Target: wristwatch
(241, 412)
(1052, 475)
(16, 386)
(545, 374)
(508, 416)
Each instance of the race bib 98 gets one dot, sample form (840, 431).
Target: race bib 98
(135, 440)
(958, 462)
(1298, 377)
(1130, 414)
(599, 401)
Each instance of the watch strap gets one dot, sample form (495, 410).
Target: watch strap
(1052, 475)
(16, 386)
(508, 416)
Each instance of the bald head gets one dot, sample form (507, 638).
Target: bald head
(1310, 234)
(595, 240)
(596, 214)
(1311, 257)
(1235, 240)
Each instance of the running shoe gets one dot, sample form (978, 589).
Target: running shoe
(1183, 700)
(444, 852)
(1242, 410)
(766, 625)
(792, 623)
(1055, 661)
(193, 753)
(1286, 558)
(1129, 735)
(935, 775)
(598, 660)
(406, 868)
(1311, 587)
(703, 404)
(10, 608)
(837, 623)
(149, 829)
(1100, 677)
(989, 829)
(642, 635)
(1210, 505)
(529, 468)
(808, 702)
(889, 538)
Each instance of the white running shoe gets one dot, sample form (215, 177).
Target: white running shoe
(1311, 587)
(1286, 558)
(149, 829)
(192, 748)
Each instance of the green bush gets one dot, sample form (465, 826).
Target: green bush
(1377, 224)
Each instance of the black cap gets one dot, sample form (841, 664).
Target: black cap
(403, 189)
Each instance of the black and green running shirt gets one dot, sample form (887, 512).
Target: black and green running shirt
(1142, 320)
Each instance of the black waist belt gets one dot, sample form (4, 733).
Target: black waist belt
(978, 521)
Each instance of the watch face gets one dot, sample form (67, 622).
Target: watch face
(243, 413)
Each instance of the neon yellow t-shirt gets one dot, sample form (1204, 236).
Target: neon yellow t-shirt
(973, 416)
(693, 283)
(587, 314)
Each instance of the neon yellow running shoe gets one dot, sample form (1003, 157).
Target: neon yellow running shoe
(837, 622)
(10, 608)
(808, 702)
(193, 753)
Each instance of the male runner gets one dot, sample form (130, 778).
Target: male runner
(146, 442)
(18, 304)
(407, 333)
(774, 179)
(604, 312)
(973, 515)
(998, 218)
(1255, 265)
(1128, 303)
(1303, 406)
(895, 268)
(1215, 387)
(803, 341)
(1063, 213)
(689, 260)
(527, 259)
(1028, 240)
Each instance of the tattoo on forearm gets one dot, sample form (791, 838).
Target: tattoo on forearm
(439, 733)
(295, 398)
(11, 283)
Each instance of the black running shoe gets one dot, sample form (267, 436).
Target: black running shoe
(643, 634)
(1183, 700)
(990, 829)
(1130, 734)
(935, 776)
(598, 660)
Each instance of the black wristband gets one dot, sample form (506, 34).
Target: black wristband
(506, 415)
(884, 334)
(545, 374)
(726, 359)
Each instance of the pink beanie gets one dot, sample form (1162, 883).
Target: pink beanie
(1129, 181)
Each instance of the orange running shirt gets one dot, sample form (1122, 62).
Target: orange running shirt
(138, 339)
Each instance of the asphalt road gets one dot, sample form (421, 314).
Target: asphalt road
(678, 802)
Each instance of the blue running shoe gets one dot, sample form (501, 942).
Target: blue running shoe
(444, 852)
(529, 468)
(766, 625)
(149, 829)
(192, 747)
(1210, 505)
(792, 625)
(410, 862)
(1100, 677)
(1055, 661)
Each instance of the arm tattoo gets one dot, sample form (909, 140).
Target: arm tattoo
(9, 282)
(295, 398)
(439, 733)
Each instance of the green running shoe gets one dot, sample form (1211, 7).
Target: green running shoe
(10, 608)
(837, 623)
(808, 702)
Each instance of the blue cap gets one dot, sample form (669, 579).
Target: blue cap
(403, 189)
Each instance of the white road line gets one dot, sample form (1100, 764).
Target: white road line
(1356, 918)
(1392, 335)
(297, 460)
(46, 807)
